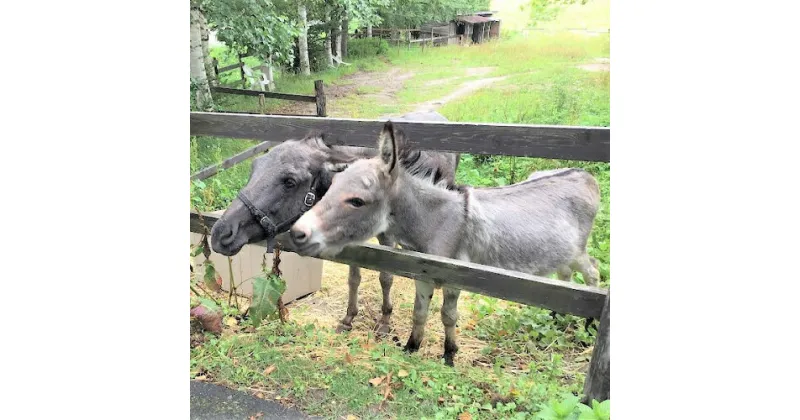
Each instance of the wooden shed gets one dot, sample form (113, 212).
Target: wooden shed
(478, 28)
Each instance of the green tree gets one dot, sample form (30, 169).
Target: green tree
(262, 27)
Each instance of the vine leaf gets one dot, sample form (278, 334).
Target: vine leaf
(211, 279)
(266, 293)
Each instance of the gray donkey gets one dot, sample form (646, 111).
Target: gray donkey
(539, 226)
(286, 181)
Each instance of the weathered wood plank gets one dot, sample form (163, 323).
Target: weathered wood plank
(275, 95)
(556, 295)
(433, 39)
(233, 160)
(260, 113)
(556, 142)
(598, 380)
(229, 68)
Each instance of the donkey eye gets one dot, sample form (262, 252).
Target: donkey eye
(289, 183)
(355, 202)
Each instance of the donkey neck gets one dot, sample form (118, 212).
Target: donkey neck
(425, 217)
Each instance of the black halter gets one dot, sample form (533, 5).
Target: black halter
(270, 227)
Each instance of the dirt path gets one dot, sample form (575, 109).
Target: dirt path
(463, 90)
(599, 64)
(382, 87)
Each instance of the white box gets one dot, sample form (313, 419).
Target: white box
(303, 275)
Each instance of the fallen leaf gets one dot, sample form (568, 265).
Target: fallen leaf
(441, 400)
(451, 387)
(200, 378)
(376, 381)
(231, 321)
(210, 318)
(402, 373)
(259, 395)
(465, 416)
(348, 358)
(269, 369)
(277, 397)
(352, 417)
(425, 379)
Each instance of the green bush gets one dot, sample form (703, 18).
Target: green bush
(365, 47)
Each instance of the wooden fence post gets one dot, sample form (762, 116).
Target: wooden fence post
(319, 93)
(262, 104)
(598, 380)
(241, 71)
(215, 63)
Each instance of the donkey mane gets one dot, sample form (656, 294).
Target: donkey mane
(429, 178)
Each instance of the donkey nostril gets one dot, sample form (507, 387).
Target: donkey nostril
(224, 233)
(299, 235)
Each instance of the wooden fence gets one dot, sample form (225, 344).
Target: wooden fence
(579, 143)
(318, 98)
(239, 65)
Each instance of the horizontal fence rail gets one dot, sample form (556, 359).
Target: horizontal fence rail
(546, 141)
(233, 160)
(557, 295)
(231, 67)
(275, 95)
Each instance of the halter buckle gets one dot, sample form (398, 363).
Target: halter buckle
(309, 200)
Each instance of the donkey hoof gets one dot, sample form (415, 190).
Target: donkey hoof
(382, 329)
(448, 359)
(343, 328)
(411, 348)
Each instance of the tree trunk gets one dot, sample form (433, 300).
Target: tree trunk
(197, 68)
(337, 40)
(369, 31)
(328, 36)
(302, 40)
(208, 62)
(344, 35)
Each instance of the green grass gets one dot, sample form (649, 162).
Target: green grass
(329, 374)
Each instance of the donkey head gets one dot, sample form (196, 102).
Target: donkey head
(278, 187)
(357, 205)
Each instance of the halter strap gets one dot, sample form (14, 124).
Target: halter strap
(270, 227)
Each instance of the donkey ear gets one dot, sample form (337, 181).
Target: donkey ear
(335, 167)
(387, 146)
(322, 139)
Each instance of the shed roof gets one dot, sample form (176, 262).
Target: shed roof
(473, 19)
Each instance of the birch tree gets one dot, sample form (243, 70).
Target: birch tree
(203, 99)
(302, 39)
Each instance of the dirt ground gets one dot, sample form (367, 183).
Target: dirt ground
(328, 306)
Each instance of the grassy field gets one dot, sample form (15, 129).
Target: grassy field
(516, 15)
(515, 361)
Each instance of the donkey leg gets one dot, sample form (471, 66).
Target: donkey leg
(422, 300)
(353, 281)
(449, 319)
(586, 267)
(564, 273)
(384, 325)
